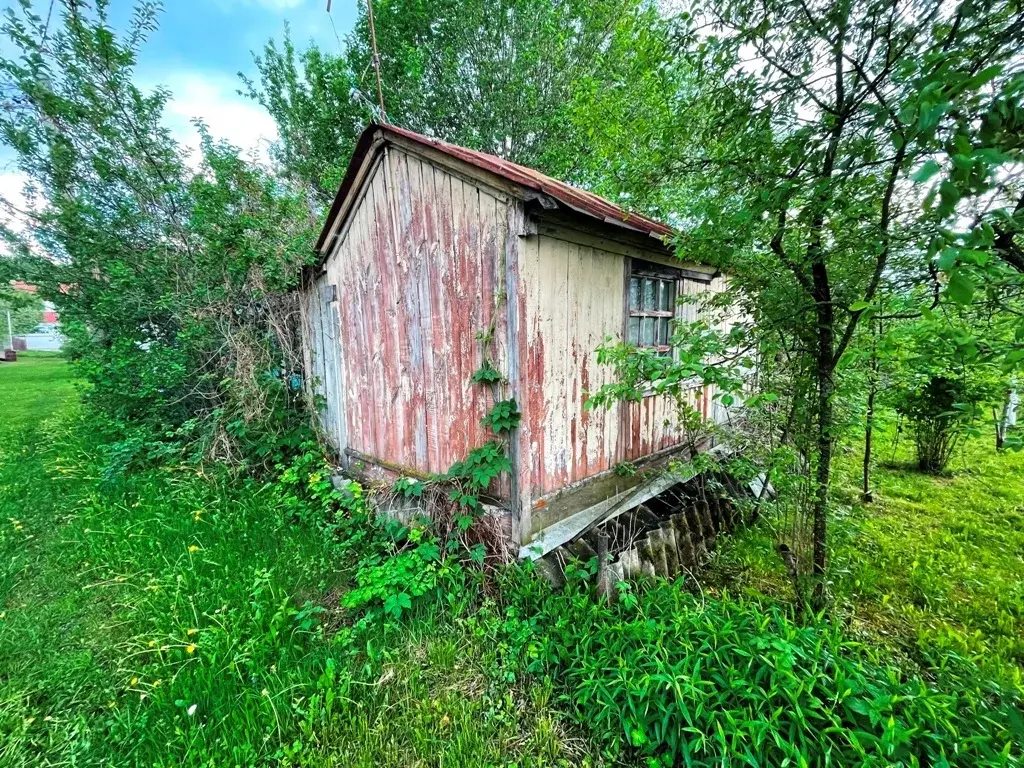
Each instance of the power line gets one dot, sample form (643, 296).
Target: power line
(376, 57)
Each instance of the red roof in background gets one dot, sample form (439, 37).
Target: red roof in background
(577, 199)
(20, 285)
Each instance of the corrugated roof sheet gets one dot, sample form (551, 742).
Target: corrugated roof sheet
(577, 199)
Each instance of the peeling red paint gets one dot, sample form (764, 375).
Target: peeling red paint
(418, 271)
(416, 289)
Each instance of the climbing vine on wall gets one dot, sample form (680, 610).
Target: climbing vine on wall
(470, 479)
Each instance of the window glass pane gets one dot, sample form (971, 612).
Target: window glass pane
(667, 295)
(634, 330)
(663, 330)
(650, 294)
(634, 293)
(647, 332)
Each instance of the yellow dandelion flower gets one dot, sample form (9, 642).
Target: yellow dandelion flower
(157, 683)
(152, 643)
(190, 648)
(134, 681)
(193, 548)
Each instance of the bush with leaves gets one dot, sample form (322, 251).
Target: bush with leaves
(172, 269)
(943, 383)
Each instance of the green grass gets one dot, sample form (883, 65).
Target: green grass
(932, 569)
(179, 617)
(33, 387)
(171, 618)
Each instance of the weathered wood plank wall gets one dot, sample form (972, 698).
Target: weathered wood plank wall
(322, 357)
(416, 268)
(420, 267)
(572, 298)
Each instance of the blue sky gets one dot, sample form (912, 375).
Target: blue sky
(197, 52)
(202, 45)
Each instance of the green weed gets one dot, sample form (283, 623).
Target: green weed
(931, 570)
(173, 617)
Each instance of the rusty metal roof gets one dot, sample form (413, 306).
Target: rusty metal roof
(572, 197)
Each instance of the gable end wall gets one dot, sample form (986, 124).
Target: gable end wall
(416, 267)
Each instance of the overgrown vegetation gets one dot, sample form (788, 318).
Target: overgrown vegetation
(178, 618)
(172, 618)
(172, 271)
(181, 582)
(927, 569)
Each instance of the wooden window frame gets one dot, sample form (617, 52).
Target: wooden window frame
(639, 269)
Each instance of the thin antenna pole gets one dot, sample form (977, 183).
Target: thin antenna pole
(376, 61)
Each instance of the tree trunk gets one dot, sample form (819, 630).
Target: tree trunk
(1007, 418)
(869, 422)
(823, 476)
(867, 496)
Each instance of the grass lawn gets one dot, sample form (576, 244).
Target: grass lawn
(33, 387)
(171, 618)
(932, 569)
(180, 617)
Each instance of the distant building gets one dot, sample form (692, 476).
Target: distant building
(47, 335)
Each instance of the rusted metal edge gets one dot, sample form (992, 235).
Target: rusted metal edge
(545, 187)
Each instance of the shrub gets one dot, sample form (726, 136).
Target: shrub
(939, 415)
(173, 270)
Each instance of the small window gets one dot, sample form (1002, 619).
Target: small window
(652, 306)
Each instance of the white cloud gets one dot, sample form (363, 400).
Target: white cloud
(213, 98)
(12, 186)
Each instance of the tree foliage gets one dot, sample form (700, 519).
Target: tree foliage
(520, 79)
(176, 265)
(803, 172)
(25, 310)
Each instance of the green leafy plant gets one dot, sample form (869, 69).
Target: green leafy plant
(487, 374)
(626, 469)
(481, 467)
(503, 417)
(409, 487)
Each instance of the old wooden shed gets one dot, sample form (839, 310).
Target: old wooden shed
(427, 244)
